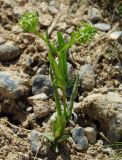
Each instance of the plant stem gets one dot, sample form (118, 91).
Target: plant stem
(73, 96)
(41, 36)
(57, 100)
(64, 102)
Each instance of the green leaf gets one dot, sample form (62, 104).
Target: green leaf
(29, 21)
(61, 42)
(63, 61)
(51, 46)
(58, 126)
(84, 34)
(59, 80)
(49, 136)
(74, 94)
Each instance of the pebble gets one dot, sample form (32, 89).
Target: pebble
(87, 77)
(107, 110)
(29, 109)
(41, 108)
(52, 10)
(35, 142)
(90, 134)
(42, 70)
(45, 19)
(80, 139)
(115, 35)
(102, 26)
(41, 84)
(9, 51)
(94, 14)
(12, 85)
(2, 40)
(104, 90)
(77, 107)
(70, 69)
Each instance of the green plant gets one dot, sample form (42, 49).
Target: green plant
(58, 71)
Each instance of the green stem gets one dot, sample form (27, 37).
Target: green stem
(41, 36)
(64, 102)
(57, 100)
(74, 92)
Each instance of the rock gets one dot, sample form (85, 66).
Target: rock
(79, 138)
(70, 69)
(38, 145)
(94, 14)
(37, 97)
(35, 142)
(12, 85)
(52, 10)
(90, 134)
(44, 7)
(102, 26)
(41, 107)
(41, 84)
(2, 40)
(115, 35)
(106, 109)
(29, 109)
(62, 26)
(9, 51)
(77, 108)
(45, 19)
(87, 77)
(42, 70)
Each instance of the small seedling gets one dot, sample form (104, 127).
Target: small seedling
(58, 71)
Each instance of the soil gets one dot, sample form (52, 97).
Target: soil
(17, 115)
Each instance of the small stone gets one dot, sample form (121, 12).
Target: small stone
(2, 40)
(45, 19)
(107, 110)
(42, 70)
(41, 96)
(21, 134)
(9, 51)
(44, 7)
(52, 10)
(87, 77)
(77, 108)
(79, 138)
(41, 84)
(115, 35)
(29, 109)
(35, 142)
(62, 26)
(12, 85)
(90, 134)
(41, 108)
(104, 90)
(94, 14)
(70, 69)
(102, 26)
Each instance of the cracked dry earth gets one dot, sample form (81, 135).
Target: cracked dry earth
(26, 103)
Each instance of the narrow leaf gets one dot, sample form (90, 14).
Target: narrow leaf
(63, 61)
(58, 76)
(51, 46)
(74, 93)
(61, 41)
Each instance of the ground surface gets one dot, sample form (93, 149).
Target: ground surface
(24, 66)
